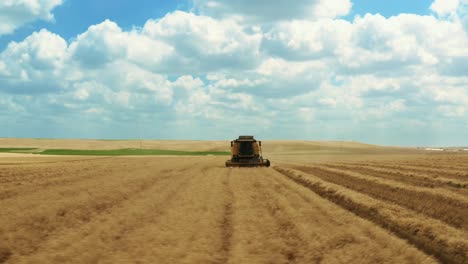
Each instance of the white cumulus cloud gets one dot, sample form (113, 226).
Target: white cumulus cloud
(41, 58)
(16, 13)
(445, 7)
(203, 43)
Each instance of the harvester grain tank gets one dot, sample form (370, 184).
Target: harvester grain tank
(247, 152)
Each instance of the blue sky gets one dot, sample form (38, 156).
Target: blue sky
(390, 8)
(385, 72)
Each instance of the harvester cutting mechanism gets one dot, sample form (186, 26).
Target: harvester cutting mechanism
(247, 152)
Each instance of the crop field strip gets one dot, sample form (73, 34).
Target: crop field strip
(435, 161)
(29, 179)
(180, 210)
(455, 173)
(39, 225)
(152, 220)
(285, 223)
(415, 179)
(64, 205)
(429, 165)
(401, 209)
(445, 206)
(431, 236)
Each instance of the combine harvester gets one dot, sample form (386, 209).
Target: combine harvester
(247, 152)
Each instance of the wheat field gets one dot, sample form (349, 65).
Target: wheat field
(318, 203)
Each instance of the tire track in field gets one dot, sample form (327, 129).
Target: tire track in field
(447, 244)
(214, 205)
(451, 211)
(227, 229)
(259, 224)
(295, 238)
(286, 229)
(5, 254)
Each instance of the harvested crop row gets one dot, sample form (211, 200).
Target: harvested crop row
(448, 244)
(453, 174)
(415, 179)
(436, 164)
(447, 207)
(439, 159)
(278, 221)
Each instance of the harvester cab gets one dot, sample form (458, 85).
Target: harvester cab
(247, 152)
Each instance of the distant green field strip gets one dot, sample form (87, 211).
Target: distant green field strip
(20, 150)
(113, 152)
(131, 152)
